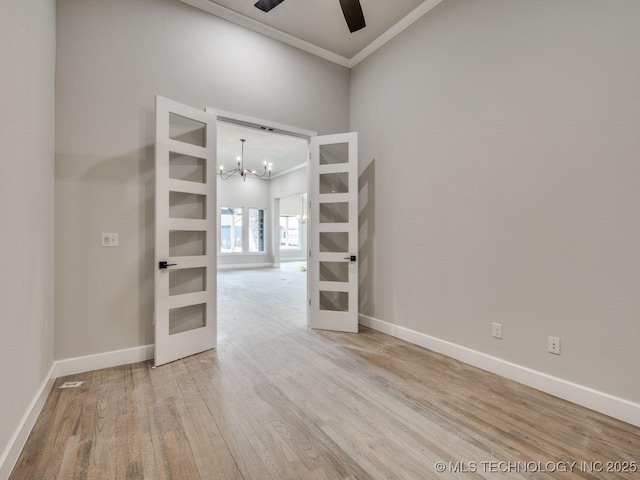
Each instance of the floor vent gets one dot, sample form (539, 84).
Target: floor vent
(71, 384)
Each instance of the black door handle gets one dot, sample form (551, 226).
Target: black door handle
(163, 265)
(352, 258)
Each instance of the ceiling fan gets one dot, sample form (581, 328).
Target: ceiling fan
(351, 9)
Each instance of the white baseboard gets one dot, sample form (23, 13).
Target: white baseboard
(11, 453)
(61, 368)
(87, 363)
(241, 266)
(610, 405)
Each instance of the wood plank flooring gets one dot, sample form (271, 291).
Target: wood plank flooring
(277, 400)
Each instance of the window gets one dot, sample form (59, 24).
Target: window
(242, 230)
(256, 230)
(289, 233)
(231, 229)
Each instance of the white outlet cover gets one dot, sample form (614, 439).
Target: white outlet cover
(496, 330)
(554, 345)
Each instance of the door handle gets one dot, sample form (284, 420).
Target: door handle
(352, 258)
(163, 265)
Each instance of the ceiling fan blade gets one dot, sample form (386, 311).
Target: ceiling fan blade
(266, 5)
(353, 14)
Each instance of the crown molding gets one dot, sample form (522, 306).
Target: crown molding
(259, 27)
(290, 170)
(403, 23)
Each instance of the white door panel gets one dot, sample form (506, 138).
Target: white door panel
(333, 232)
(185, 286)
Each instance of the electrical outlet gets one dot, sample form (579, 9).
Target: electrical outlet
(554, 345)
(109, 239)
(496, 330)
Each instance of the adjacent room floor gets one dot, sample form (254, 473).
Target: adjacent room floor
(277, 400)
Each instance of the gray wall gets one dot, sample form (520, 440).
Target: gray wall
(113, 57)
(504, 139)
(27, 62)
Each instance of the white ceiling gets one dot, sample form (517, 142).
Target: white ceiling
(284, 151)
(319, 27)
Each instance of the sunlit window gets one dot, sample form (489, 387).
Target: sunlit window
(289, 233)
(234, 222)
(230, 229)
(256, 230)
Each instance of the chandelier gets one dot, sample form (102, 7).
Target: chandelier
(244, 172)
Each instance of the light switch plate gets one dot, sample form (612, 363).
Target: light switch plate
(110, 240)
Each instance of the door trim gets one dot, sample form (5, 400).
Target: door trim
(248, 121)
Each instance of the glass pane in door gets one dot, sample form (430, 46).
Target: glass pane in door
(187, 130)
(184, 319)
(334, 301)
(334, 272)
(334, 212)
(334, 153)
(187, 205)
(187, 243)
(334, 183)
(334, 242)
(187, 280)
(188, 168)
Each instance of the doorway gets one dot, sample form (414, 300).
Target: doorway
(261, 241)
(240, 229)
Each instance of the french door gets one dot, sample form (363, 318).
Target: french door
(333, 233)
(185, 231)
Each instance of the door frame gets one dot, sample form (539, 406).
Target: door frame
(273, 127)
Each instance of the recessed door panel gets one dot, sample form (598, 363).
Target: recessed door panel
(331, 154)
(187, 130)
(334, 301)
(187, 280)
(187, 168)
(187, 319)
(187, 205)
(334, 272)
(334, 242)
(334, 182)
(337, 212)
(187, 243)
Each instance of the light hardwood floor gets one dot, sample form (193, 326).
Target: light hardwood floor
(277, 400)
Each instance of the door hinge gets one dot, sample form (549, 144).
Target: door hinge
(309, 302)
